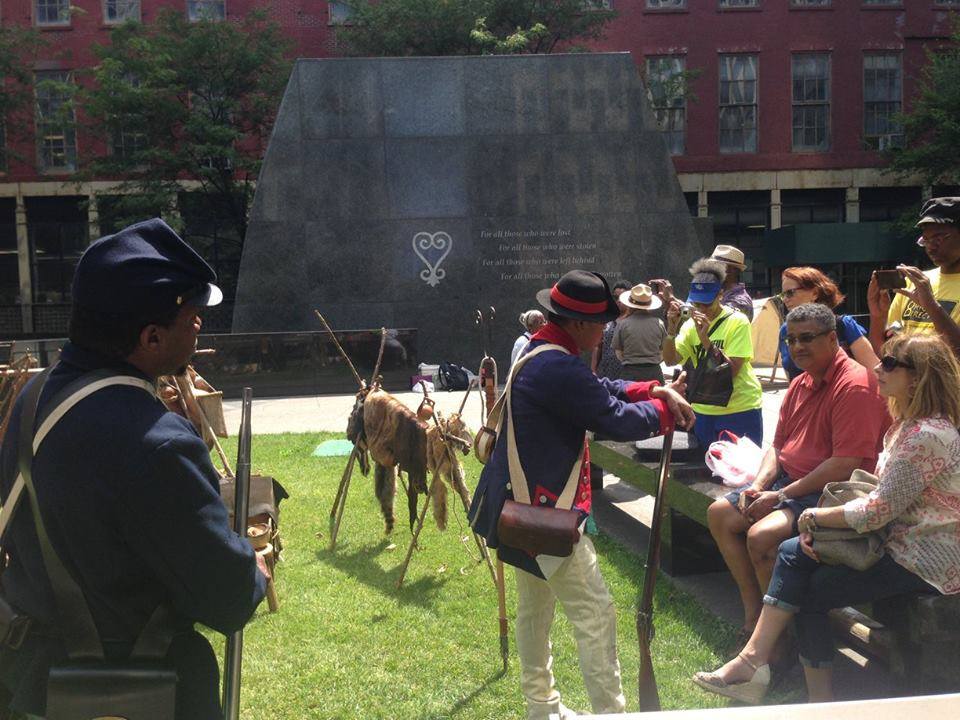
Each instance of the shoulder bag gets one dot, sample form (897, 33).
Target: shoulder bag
(845, 546)
(537, 529)
(711, 381)
(88, 685)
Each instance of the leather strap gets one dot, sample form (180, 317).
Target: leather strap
(76, 622)
(518, 478)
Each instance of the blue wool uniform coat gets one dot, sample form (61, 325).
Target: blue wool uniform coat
(131, 502)
(555, 399)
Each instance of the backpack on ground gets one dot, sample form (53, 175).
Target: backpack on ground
(453, 377)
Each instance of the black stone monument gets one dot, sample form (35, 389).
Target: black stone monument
(406, 192)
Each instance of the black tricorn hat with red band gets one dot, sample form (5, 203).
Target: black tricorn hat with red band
(581, 295)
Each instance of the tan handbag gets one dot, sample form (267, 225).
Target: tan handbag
(845, 546)
(537, 529)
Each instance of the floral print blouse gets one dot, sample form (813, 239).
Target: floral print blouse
(917, 499)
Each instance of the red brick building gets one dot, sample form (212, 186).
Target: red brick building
(780, 127)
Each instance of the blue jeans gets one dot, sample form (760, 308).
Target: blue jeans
(708, 427)
(796, 505)
(803, 586)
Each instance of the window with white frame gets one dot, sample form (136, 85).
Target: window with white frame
(126, 140)
(666, 87)
(56, 123)
(739, 3)
(896, 3)
(809, 3)
(52, 12)
(341, 13)
(665, 4)
(119, 11)
(811, 101)
(206, 10)
(738, 103)
(882, 99)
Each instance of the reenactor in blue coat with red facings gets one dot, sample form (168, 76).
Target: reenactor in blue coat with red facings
(555, 400)
(127, 491)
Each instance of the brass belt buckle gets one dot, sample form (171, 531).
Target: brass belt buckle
(17, 632)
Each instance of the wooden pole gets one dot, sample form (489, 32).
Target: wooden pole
(504, 623)
(341, 501)
(413, 540)
(336, 342)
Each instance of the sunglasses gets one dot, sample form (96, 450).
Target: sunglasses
(791, 292)
(889, 363)
(804, 338)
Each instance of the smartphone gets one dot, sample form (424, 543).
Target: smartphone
(890, 279)
(744, 501)
(656, 286)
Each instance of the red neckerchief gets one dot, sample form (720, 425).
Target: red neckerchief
(556, 335)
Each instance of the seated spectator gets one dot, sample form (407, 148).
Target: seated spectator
(931, 301)
(831, 422)
(735, 293)
(604, 361)
(917, 500)
(725, 333)
(805, 285)
(532, 320)
(638, 338)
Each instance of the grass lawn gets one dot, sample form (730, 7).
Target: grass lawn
(347, 644)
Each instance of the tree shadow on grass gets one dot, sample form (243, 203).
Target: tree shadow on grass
(361, 565)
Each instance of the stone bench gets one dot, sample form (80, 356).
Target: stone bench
(916, 637)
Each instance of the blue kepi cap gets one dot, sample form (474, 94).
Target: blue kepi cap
(145, 268)
(703, 292)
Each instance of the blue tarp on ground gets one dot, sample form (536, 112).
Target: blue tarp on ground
(333, 448)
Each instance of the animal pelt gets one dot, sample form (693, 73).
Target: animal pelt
(356, 434)
(385, 487)
(394, 436)
(443, 441)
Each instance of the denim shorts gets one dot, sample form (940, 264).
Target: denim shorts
(796, 505)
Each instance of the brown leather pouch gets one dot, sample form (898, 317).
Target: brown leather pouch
(537, 529)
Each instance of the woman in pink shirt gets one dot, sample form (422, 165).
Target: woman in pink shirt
(916, 503)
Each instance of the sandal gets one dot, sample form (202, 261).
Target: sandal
(750, 692)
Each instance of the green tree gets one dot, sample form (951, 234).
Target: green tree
(18, 48)
(179, 101)
(471, 27)
(931, 128)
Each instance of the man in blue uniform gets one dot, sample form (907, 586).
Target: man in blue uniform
(127, 491)
(555, 399)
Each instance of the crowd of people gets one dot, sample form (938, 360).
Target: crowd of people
(879, 405)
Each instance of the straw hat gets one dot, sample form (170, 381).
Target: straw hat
(640, 297)
(730, 255)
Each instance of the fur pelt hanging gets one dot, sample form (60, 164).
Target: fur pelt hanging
(356, 435)
(443, 441)
(394, 436)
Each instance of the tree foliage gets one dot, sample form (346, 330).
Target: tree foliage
(19, 47)
(399, 28)
(931, 128)
(178, 100)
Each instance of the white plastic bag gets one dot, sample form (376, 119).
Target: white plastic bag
(736, 461)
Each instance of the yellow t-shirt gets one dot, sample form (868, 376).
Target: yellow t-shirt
(913, 318)
(732, 336)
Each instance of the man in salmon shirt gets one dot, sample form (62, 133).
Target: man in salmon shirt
(555, 400)
(832, 421)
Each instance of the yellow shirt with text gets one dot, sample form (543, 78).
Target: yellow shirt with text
(907, 316)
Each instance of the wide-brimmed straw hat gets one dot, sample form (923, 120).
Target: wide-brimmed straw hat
(640, 297)
(581, 295)
(730, 255)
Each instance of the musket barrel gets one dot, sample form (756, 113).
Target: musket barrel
(233, 657)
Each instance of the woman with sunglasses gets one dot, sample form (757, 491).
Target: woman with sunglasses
(916, 503)
(801, 285)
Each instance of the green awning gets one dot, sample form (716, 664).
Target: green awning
(828, 243)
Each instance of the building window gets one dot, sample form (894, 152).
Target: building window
(946, 3)
(58, 232)
(52, 12)
(119, 11)
(341, 13)
(811, 102)
(9, 267)
(882, 95)
(886, 204)
(738, 103)
(206, 10)
(812, 206)
(56, 123)
(739, 219)
(739, 3)
(666, 85)
(666, 4)
(880, 3)
(809, 3)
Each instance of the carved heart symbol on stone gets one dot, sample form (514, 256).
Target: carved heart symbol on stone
(432, 245)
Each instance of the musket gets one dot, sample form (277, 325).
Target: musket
(233, 656)
(649, 696)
